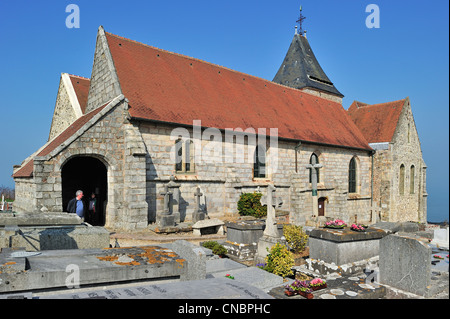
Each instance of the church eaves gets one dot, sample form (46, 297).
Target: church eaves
(300, 69)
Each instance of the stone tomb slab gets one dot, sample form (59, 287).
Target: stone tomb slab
(39, 219)
(51, 269)
(215, 288)
(406, 264)
(37, 238)
(208, 226)
(252, 276)
(343, 246)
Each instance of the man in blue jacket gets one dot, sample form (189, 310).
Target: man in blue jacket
(77, 205)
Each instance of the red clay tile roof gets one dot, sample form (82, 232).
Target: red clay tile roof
(27, 170)
(170, 87)
(81, 87)
(378, 121)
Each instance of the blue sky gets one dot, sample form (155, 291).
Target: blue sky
(407, 56)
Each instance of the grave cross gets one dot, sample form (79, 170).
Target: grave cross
(174, 188)
(198, 194)
(198, 214)
(270, 200)
(167, 195)
(375, 213)
(314, 167)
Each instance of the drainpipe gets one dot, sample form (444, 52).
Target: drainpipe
(371, 181)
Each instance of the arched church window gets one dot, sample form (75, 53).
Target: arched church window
(311, 161)
(412, 173)
(352, 173)
(189, 156)
(259, 166)
(184, 155)
(179, 155)
(401, 185)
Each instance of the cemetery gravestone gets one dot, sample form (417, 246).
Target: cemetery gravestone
(199, 214)
(164, 218)
(405, 263)
(271, 236)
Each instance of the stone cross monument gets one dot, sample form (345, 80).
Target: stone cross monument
(165, 218)
(271, 201)
(271, 235)
(199, 214)
(314, 167)
(174, 188)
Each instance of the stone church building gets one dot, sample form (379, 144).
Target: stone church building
(147, 114)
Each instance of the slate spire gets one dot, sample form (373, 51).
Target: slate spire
(300, 68)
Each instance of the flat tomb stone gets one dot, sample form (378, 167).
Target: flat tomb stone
(208, 226)
(344, 246)
(51, 269)
(39, 219)
(37, 238)
(213, 288)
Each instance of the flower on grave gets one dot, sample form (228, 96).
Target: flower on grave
(298, 285)
(261, 265)
(357, 227)
(338, 223)
(316, 282)
(439, 257)
(229, 276)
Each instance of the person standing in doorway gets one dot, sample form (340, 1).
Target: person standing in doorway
(93, 218)
(77, 205)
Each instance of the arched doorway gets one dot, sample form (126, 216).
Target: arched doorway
(88, 174)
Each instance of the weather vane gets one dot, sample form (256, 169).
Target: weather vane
(300, 21)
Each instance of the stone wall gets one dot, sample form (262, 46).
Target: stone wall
(223, 182)
(25, 189)
(404, 149)
(382, 181)
(324, 95)
(106, 137)
(333, 185)
(64, 114)
(104, 84)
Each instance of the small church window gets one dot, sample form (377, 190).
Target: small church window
(314, 156)
(411, 179)
(352, 176)
(259, 166)
(402, 180)
(189, 156)
(179, 155)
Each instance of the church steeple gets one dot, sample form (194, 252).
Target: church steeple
(301, 70)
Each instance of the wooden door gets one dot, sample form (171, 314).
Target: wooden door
(322, 206)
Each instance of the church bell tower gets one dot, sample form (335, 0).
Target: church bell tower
(301, 70)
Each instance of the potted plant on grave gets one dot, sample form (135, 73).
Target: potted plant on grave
(317, 284)
(336, 224)
(358, 227)
(290, 290)
(299, 288)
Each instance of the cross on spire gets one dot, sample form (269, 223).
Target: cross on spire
(300, 21)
